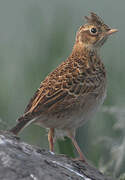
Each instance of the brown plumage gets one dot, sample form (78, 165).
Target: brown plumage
(72, 93)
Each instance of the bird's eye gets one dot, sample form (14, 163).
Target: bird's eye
(93, 31)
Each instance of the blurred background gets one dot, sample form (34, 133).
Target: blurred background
(36, 36)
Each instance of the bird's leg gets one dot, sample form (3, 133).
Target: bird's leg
(50, 139)
(81, 155)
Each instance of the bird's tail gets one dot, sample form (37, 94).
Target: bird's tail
(23, 121)
(19, 126)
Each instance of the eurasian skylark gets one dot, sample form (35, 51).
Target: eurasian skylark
(72, 93)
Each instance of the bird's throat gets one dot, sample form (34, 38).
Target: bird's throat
(84, 50)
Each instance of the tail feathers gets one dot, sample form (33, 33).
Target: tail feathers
(23, 121)
(16, 129)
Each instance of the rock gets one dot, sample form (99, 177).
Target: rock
(19, 160)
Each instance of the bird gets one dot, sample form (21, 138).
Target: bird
(72, 93)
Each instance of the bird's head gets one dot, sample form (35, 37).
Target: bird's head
(94, 33)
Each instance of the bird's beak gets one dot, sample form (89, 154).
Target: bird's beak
(111, 31)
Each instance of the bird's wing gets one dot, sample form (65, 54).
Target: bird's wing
(61, 88)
